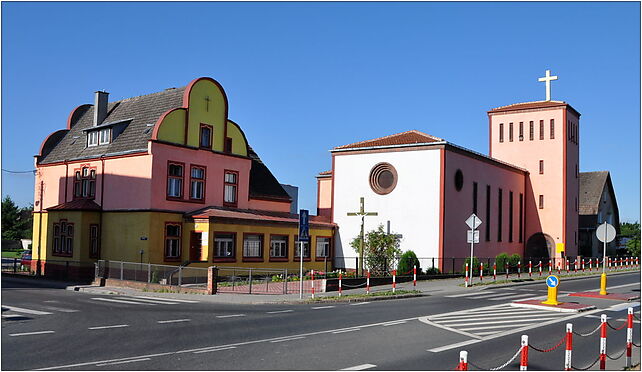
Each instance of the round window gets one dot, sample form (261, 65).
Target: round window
(459, 180)
(383, 178)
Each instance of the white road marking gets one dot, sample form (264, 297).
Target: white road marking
(121, 301)
(394, 323)
(491, 327)
(620, 307)
(488, 296)
(61, 309)
(9, 316)
(504, 321)
(485, 314)
(359, 303)
(215, 349)
(360, 367)
(504, 318)
(147, 301)
(230, 316)
(287, 339)
(486, 333)
(111, 326)
(322, 307)
(30, 333)
(426, 320)
(596, 316)
(123, 362)
(347, 330)
(513, 296)
(467, 294)
(26, 311)
(173, 321)
(166, 299)
(279, 311)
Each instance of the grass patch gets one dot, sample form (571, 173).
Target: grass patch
(11, 254)
(363, 295)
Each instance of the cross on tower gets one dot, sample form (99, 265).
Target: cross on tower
(207, 103)
(363, 214)
(547, 79)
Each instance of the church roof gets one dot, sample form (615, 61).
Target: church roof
(592, 185)
(410, 137)
(532, 105)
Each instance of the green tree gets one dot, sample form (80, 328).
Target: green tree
(379, 250)
(16, 222)
(632, 231)
(407, 262)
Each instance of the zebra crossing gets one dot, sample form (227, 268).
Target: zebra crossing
(141, 300)
(497, 295)
(488, 321)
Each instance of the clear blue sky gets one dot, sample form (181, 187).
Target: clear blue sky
(302, 78)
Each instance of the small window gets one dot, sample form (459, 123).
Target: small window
(228, 145)
(174, 180)
(521, 130)
(230, 188)
(541, 167)
(541, 129)
(85, 183)
(501, 132)
(541, 202)
(92, 138)
(172, 241)
(297, 248)
(459, 180)
(94, 240)
(531, 131)
(323, 247)
(205, 140)
(510, 132)
(105, 136)
(279, 246)
(224, 245)
(552, 128)
(63, 239)
(253, 246)
(197, 183)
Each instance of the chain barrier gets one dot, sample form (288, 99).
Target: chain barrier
(617, 357)
(636, 317)
(588, 334)
(352, 286)
(633, 343)
(616, 329)
(497, 368)
(586, 368)
(562, 341)
(476, 366)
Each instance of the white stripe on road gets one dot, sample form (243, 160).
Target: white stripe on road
(513, 296)
(61, 309)
(623, 306)
(452, 346)
(215, 349)
(486, 333)
(166, 299)
(508, 318)
(9, 316)
(347, 330)
(287, 339)
(26, 311)
(494, 327)
(111, 326)
(466, 294)
(122, 362)
(230, 316)
(279, 311)
(490, 295)
(120, 301)
(322, 307)
(146, 300)
(173, 321)
(597, 317)
(360, 367)
(475, 313)
(504, 321)
(30, 333)
(360, 303)
(394, 323)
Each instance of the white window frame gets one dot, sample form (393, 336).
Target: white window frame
(224, 245)
(306, 248)
(323, 247)
(252, 244)
(92, 138)
(105, 132)
(279, 246)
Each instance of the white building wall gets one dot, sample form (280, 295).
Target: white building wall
(412, 207)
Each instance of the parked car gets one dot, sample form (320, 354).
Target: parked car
(25, 259)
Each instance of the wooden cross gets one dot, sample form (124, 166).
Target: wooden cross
(547, 79)
(207, 103)
(362, 213)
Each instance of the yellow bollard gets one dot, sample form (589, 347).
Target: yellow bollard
(603, 284)
(552, 282)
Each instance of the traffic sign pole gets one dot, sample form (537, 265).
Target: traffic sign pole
(552, 282)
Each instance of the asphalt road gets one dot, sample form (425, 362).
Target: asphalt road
(51, 328)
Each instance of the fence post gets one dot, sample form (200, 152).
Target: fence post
(312, 281)
(121, 270)
(368, 282)
(180, 275)
(414, 276)
(519, 269)
(530, 269)
(15, 265)
(463, 361)
(433, 263)
(212, 280)
(603, 342)
(250, 278)
(340, 277)
(481, 271)
(285, 281)
(629, 335)
(540, 268)
(569, 347)
(149, 273)
(394, 281)
(523, 365)
(495, 271)
(466, 276)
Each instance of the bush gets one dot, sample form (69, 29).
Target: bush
(501, 260)
(514, 259)
(432, 271)
(407, 261)
(475, 265)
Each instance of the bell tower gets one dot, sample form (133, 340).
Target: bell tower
(543, 138)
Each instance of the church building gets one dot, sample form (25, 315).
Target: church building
(525, 191)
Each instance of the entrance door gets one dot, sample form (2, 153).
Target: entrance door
(195, 246)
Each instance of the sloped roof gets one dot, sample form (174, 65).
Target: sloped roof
(405, 138)
(258, 216)
(143, 110)
(591, 187)
(532, 105)
(263, 184)
(76, 205)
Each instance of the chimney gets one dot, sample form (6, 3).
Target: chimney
(100, 107)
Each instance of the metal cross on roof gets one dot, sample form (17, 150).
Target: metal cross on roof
(207, 103)
(363, 214)
(547, 79)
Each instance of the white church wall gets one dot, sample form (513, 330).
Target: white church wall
(412, 207)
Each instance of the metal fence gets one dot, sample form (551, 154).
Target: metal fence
(266, 281)
(14, 265)
(152, 273)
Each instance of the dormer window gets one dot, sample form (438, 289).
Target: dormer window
(99, 137)
(105, 136)
(92, 138)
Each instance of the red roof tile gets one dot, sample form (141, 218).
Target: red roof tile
(256, 215)
(532, 105)
(76, 205)
(406, 138)
(326, 173)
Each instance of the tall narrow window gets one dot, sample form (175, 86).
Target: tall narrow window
(175, 180)
(205, 140)
(63, 239)
(552, 128)
(510, 216)
(224, 247)
(531, 131)
(501, 132)
(541, 167)
(475, 197)
(541, 129)
(499, 215)
(197, 183)
(487, 212)
(56, 239)
(253, 246)
(231, 183)
(172, 241)
(510, 132)
(521, 217)
(521, 130)
(94, 240)
(92, 138)
(541, 202)
(323, 247)
(569, 135)
(228, 145)
(105, 136)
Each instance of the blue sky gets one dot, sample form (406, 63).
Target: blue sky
(302, 78)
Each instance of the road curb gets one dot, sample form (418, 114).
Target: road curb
(320, 300)
(539, 281)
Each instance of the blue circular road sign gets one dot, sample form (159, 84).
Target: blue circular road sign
(552, 281)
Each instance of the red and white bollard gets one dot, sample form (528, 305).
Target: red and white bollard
(568, 266)
(629, 336)
(481, 271)
(603, 342)
(312, 273)
(340, 279)
(466, 276)
(463, 361)
(627, 263)
(575, 265)
(550, 267)
(414, 276)
(519, 268)
(523, 364)
(582, 264)
(394, 281)
(569, 346)
(530, 269)
(507, 268)
(590, 264)
(559, 272)
(540, 268)
(368, 282)
(495, 271)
